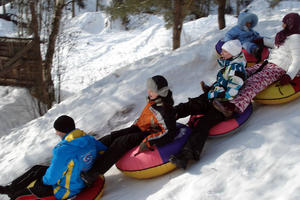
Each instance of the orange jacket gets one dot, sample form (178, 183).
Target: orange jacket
(159, 122)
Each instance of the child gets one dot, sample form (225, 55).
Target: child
(75, 153)
(244, 32)
(155, 126)
(283, 65)
(230, 79)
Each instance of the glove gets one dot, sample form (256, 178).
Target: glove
(285, 79)
(143, 147)
(259, 42)
(205, 88)
(88, 179)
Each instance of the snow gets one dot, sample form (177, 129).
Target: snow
(104, 72)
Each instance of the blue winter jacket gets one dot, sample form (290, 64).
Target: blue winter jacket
(230, 78)
(75, 153)
(241, 31)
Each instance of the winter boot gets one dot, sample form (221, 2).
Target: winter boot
(205, 88)
(225, 108)
(257, 53)
(179, 161)
(89, 178)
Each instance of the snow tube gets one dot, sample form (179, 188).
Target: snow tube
(92, 193)
(154, 163)
(226, 127)
(277, 94)
(251, 60)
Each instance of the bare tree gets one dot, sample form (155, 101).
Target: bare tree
(50, 50)
(40, 89)
(73, 8)
(3, 6)
(238, 5)
(97, 5)
(178, 22)
(180, 10)
(221, 13)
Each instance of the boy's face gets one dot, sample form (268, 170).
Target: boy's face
(60, 134)
(152, 95)
(225, 54)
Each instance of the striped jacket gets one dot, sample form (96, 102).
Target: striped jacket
(159, 122)
(75, 153)
(230, 78)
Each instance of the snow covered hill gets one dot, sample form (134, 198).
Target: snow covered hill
(111, 67)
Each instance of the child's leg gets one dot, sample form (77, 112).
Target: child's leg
(252, 69)
(195, 106)
(108, 139)
(250, 47)
(116, 150)
(200, 132)
(37, 191)
(255, 84)
(196, 141)
(36, 172)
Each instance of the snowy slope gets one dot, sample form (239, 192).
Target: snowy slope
(259, 162)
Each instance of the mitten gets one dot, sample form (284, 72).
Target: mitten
(285, 79)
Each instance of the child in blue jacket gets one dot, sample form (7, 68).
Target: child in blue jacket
(244, 32)
(61, 180)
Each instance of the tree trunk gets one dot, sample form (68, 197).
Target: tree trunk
(178, 13)
(73, 8)
(50, 51)
(3, 6)
(40, 90)
(238, 4)
(221, 13)
(97, 5)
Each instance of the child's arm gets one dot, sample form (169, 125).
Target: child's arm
(236, 78)
(58, 166)
(295, 53)
(234, 84)
(232, 34)
(166, 129)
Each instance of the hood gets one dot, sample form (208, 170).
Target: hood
(247, 17)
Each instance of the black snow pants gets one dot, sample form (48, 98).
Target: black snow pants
(118, 143)
(200, 130)
(19, 188)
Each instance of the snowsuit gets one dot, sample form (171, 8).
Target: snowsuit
(155, 126)
(230, 79)
(61, 180)
(243, 33)
(284, 59)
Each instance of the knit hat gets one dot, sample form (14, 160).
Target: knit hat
(64, 124)
(219, 46)
(234, 47)
(159, 85)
